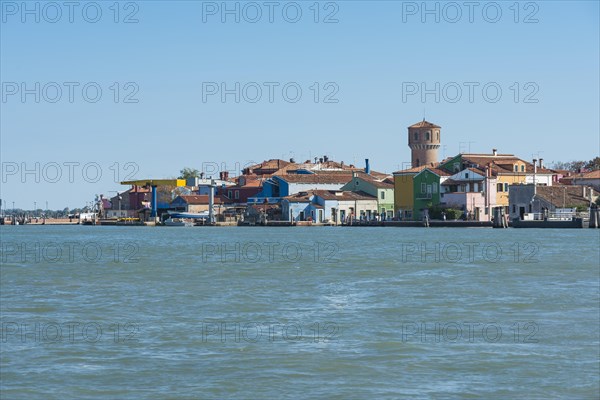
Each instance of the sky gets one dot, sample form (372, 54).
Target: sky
(94, 93)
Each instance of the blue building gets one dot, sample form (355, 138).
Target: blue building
(279, 186)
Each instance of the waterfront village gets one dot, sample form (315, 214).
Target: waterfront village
(492, 189)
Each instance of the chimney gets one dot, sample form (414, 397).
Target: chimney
(541, 163)
(325, 158)
(534, 165)
(367, 166)
(495, 152)
(583, 191)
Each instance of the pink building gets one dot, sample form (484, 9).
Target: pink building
(471, 191)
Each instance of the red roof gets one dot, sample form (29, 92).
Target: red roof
(343, 195)
(340, 178)
(415, 170)
(592, 175)
(424, 124)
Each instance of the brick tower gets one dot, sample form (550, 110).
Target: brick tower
(424, 141)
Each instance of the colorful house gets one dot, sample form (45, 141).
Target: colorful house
(299, 207)
(404, 199)
(382, 190)
(279, 186)
(329, 206)
(470, 191)
(507, 168)
(426, 189)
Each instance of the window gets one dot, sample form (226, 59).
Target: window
(463, 188)
(427, 135)
(229, 194)
(237, 194)
(522, 168)
(416, 136)
(499, 187)
(466, 175)
(514, 208)
(438, 135)
(423, 187)
(435, 189)
(506, 187)
(516, 168)
(382, 195)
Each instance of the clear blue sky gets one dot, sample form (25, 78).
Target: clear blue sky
(373, 56)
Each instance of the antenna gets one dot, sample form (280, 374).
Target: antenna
(470, 146)
(461, 146)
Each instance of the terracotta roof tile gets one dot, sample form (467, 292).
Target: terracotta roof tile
(317, 178)
(591, 175)
(343, 195)
(567, 194)
(375, 182)
(424, 124)
(416, 170)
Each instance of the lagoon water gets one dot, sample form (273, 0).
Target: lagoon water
(339, 313)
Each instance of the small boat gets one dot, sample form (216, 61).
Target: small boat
(188, 215)
(128, 222)
(178, 222)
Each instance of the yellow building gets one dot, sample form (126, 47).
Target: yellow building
(404, 198)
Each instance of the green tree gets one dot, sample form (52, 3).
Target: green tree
(593, 164)
(187, 173)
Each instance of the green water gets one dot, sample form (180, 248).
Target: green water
(339, 313)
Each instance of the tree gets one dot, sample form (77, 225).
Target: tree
(593, 164)
(164, 193)
(575, 166)
(187, 173)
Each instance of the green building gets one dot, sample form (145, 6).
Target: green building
(384, 192)
(426, 189)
